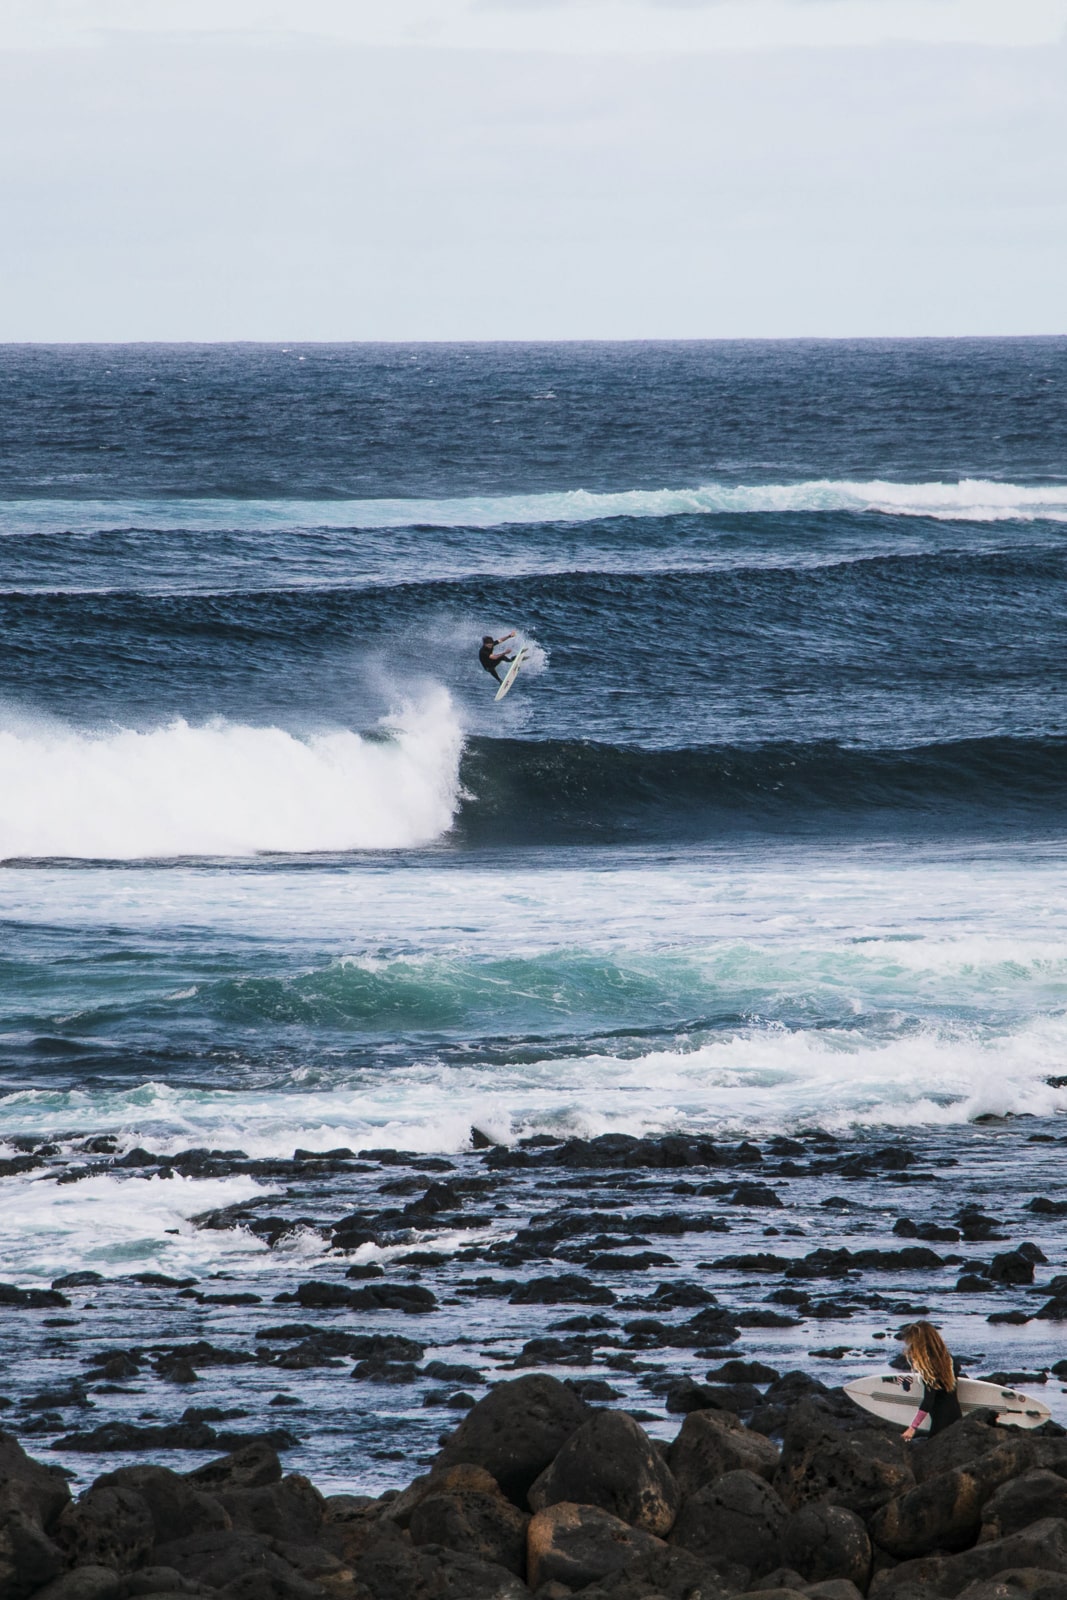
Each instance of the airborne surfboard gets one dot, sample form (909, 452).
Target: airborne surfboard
(512, 673)
(895, 1396)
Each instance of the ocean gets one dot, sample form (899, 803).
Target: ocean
(769, 840)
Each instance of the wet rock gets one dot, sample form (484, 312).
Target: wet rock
(669, 1296)
(577, 1544)
(85, 1583)
(38, 1492)
(452, 1372)
(755, 1194)
(1019, 1583)
(945, 1511)
(827, 1263)
(976, 1227)
(114, 1365)
(738, 1520)
(793, 1387)
(684, 1395)
(30, 1298)
(736, 1371)
(292, 1509)
(176, 1369)
(861, 1470)
(961, 1445)
(479, 1522)
(163, 1582)
(1020, 1501)
(566, 1289)
(575, 1351)
(825, 1542)
(516, 1430)
(710, 1444)
(390, 1571)
(376, 1370)
(28, 1557)
(203, 1354)
(176, 1508)
(611, 1462)
(1042, 1545)
(1013, 1267)
(409, 1298)
(241, 1563)
(593, 1389)
(78, 1280)
(247, 1468)
(666, 1574)
(109, 1526)
(112, 1436)
(445, 1480)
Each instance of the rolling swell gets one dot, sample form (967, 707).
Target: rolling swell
(580, 792)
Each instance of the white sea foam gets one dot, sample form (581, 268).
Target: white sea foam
(117, 1225)
(967, 499)
(226, 789)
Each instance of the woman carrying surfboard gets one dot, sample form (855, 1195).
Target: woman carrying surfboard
(930, 1361)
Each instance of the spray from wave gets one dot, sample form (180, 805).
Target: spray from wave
(227, 789)
(968, 500)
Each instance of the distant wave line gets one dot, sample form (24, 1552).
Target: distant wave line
(968, 499)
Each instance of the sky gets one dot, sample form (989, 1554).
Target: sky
(531, 169)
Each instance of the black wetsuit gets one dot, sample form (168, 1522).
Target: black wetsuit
(485, 656)
(942, 1406)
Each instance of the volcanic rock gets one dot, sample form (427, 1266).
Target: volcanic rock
(1023, 1500)
(711, 1443)
(611, 1462)
(176, 1508)
(824, 1541)
(861, 1469)
(28, 1557)
(577, 1544)
(516, 1430)
(110, 1526)
(478, 1522)
(738, 1520)
(1042, 1545)
(944, 1512)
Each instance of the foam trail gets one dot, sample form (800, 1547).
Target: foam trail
(225, 789)
(969, 499)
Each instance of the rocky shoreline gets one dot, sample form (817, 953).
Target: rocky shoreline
(342, 1311)
(539, 1493)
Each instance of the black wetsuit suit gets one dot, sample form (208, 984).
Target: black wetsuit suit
(485, 656)
(942, 1406)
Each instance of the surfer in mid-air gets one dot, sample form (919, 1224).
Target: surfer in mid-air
(490, 661)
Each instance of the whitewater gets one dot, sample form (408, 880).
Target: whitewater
(221, 789)
(967, 500)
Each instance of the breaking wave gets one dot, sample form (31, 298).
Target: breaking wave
(228, 789)
(968, 499)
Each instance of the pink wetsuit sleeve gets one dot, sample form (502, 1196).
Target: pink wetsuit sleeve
(919, 1418)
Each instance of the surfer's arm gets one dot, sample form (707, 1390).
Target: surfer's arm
(919, 1418)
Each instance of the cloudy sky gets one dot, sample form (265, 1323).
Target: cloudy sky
(468, 169)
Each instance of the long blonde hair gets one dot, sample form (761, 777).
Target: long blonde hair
(929, 1357)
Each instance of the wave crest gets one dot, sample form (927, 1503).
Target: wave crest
(227, 789)
(968, 500)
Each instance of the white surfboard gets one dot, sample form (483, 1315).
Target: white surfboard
(512, 673)
(896, 1395)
